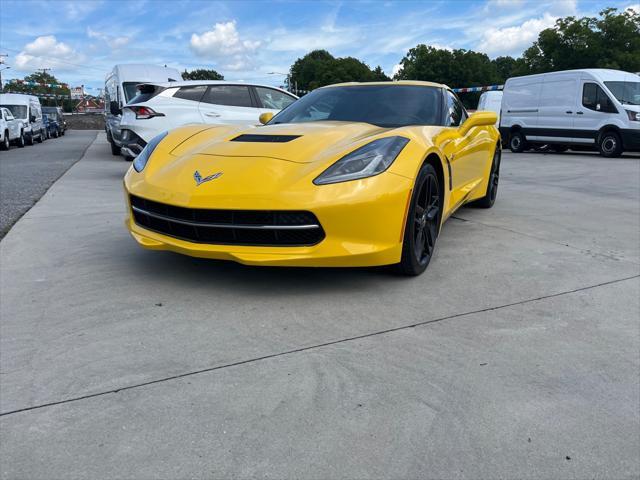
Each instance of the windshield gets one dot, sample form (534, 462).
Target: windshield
(130, 90)
(387, 106)
(625, 92)
(18, 111)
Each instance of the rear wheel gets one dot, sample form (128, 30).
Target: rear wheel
(492, 187)
(422, 223)
(610, 145)
(517, 142)
(41, 137)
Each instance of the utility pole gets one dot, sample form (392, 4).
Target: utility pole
(2, 57)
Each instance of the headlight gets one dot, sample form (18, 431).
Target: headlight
(141, 160)
(367, 161)
(633, 116)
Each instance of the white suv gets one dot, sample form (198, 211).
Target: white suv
(163, 106)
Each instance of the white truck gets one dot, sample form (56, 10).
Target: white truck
(27, 109)
(10, 130)
(120, 87)
(582, 109)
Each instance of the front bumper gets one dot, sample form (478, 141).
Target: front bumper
(363, 223)
(630, 139)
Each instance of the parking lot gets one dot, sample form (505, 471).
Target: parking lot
(515, 355)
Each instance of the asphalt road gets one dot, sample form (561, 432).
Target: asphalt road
(515, 356)
(27, 173)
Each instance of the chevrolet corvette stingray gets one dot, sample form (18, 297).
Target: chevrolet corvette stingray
(355, 174)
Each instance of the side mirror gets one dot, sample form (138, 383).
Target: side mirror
(478, 119)
(32, 118)
(114, 108)
(265, 118)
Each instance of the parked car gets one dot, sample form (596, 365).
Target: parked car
(58, 116)
(586, 109)
(10, 130)
(163, 106)
(120, 87)
(26, 108)
(53, 128)
(492, 102)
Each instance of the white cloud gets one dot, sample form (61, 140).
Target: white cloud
(112, 41)
(635, 7)
(224, 45)
(513, 40)
(47, 52)
(396, 69)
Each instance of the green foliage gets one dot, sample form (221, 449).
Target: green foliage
(319, 68)
(202, 74)
(610, 41)
(46, 78)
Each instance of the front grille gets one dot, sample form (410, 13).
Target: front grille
(228, 227)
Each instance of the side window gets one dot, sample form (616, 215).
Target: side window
(274, 99)
(456, 114)
(594, 98)
(191, 93)
(231, 95)
(8, 115)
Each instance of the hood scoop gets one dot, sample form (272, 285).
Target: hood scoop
(249, 137)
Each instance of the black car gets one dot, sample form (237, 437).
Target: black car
(56, 113)
(51, 125)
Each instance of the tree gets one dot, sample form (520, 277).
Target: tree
(43, 80)
(202, 74)
(610, 41)
(319, 68)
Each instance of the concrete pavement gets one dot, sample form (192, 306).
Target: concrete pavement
(515, 355)
(26, 173)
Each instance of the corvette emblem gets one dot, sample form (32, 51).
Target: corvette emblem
(200, 179)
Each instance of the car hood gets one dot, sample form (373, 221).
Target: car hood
(299, 143)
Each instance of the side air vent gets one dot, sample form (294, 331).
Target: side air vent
(264, 138)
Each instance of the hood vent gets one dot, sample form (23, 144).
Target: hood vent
(247, 137)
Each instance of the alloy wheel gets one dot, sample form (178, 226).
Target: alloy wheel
(426, 218)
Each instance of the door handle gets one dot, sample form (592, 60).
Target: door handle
(209, 114)
(580, 113)
(568, 111)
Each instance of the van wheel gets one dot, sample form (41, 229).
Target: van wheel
(20, 140)
(610, 145)
(41, 136)
(517, 142)
(115, 150)
(5, 142)
(30, 139)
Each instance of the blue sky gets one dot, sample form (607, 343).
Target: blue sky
(244, 40)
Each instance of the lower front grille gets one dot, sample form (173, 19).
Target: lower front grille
(228, 227)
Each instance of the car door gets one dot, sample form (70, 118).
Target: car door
(463, 153)
(12, 124)
(271, 100)
(594, 111)
(231, 104)
(557, 109)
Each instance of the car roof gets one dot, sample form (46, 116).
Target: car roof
(187, 83)
(20, 98)
(418, 83)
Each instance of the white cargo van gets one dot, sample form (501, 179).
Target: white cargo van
(120, 87)
(491, 102)
(591, 108)
(27, 109)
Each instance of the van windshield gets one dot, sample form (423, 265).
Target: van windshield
(626, 92)
(18, 111)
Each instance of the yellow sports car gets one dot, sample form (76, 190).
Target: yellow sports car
(355, 174)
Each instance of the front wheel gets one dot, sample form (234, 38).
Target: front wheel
(517, 142)
(5, 143)
(30, 139)
(422, 223)
(610, 145)
(20, 141)
(41, 137)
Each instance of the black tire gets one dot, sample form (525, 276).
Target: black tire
(422, 223)
(610, 144)
(41, 137)
(115, 150)
(559, 148)
(492, 187)
(517, 142)
(20, 142)
(29, 139)
(55, 134)
(5, 143)
(127, 158)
